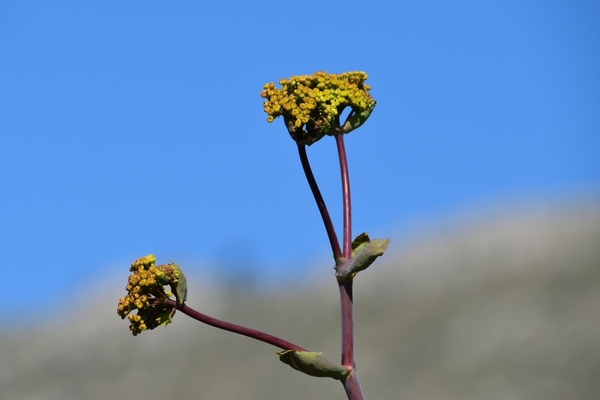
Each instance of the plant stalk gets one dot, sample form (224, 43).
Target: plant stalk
(351, 384)
(241, 330)
(333, 240)
(347, 203)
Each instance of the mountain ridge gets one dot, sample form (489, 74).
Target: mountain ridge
(501, 307)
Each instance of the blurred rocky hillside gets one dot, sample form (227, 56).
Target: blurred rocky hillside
(506, 306)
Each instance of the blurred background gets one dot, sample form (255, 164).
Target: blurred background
(129, 128)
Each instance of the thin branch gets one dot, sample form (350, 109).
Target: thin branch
(347, 203)
(242, 330)
(333, 240)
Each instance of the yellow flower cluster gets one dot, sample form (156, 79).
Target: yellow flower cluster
(146, 284)
(315, 101)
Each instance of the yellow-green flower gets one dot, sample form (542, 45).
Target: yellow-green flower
(145, 290)
(311, 104)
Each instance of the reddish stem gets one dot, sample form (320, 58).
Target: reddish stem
(346, 287)
(351, 384)
(242, 330)
(347, 204)
(333, 240)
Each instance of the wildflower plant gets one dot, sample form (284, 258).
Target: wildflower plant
(311, 107)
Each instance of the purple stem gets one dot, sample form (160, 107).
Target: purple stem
(346, 287)
(351, 384)
(339, 139)
(333, 240)
(217, 323)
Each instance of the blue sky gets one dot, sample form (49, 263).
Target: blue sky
(130, 127)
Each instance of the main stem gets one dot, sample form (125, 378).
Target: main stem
(351, 384)
(346, 287)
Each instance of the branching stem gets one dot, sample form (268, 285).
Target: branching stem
(351, 384)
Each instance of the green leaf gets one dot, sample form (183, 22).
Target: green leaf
(364, 253)
(314, 364)
(180, 287)
(356, 119)
(359, 242)
(165, 318)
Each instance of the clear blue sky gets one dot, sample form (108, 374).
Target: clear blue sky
(129, 127)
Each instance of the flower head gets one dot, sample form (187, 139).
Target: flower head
(146, 294)
(311, 104)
